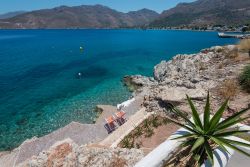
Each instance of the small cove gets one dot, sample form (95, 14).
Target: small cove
(39, 85)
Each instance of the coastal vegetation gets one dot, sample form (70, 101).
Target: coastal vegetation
(244, 78)
(244, 45)
(228, 89)
(144, 131)
(215, 69)
(205, 135)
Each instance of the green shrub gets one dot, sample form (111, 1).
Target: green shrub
(245, 78)
(165, 121)
(149, 132)
(138, 132)
(127, 143)
(146, 124)
(155, 121)
(244, 45)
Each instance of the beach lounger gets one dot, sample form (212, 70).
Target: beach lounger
(110, 124)
(120, 117)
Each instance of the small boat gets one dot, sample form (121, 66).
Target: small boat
(81, 49)
(223, 35)
(79, 75)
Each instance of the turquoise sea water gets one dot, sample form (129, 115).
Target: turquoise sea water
(39, 87)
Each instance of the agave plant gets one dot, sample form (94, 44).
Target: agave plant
(203, 135)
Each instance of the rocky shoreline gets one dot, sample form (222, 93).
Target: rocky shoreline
(69, 154)
(193, 74)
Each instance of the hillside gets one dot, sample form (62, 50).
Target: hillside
(84, 16)
(10, 14)
(206, 12)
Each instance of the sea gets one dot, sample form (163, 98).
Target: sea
(49, 78)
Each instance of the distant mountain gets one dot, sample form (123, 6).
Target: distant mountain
(84, 16)
(143, 16)
(206, 12)
(11, 14)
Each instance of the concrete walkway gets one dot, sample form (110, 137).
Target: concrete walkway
(115, 138)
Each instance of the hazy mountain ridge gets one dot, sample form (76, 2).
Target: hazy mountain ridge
(205, 12)
(11, 14)
(84, 16)
(198, 13)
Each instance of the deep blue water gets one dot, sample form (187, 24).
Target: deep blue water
(39, 87)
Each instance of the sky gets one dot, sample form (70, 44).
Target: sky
(120, 5)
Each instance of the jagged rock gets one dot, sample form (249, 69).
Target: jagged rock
(217, 48)
(186, 84)
(192, 74)
(182, 67)
(230, 47)
(135, 82)
(68, 154)
(178, 94)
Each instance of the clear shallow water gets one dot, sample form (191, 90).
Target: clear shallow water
(39, 87)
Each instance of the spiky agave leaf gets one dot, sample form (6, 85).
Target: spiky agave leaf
(209, 152)
(231, 124)
(230, 133)
(220, 143)
(195, 114)
(206, 117)
(198, 143)
(180, 114)
(188, 142)
(229, 143)
(217, 116)
(188, 135)
(200, 137)
(195, 131)
(236, 142)
(232, 118)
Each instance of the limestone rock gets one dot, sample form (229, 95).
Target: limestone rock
(192, 74)
(135, 82)
(178, 94)
(68, 154)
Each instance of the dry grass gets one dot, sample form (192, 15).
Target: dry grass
(221, 66)
(202, 66)
(181, 158)
(233, 54)
(244, 45)
(228, 89)
(118, 162)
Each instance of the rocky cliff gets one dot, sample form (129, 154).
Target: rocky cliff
(193, 75)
